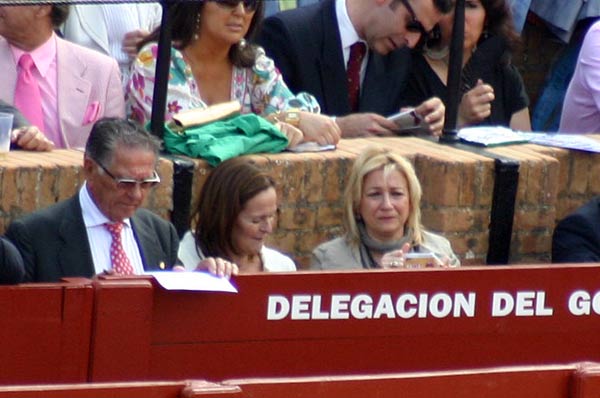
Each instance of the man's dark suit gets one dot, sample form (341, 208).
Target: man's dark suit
(11, 263)
(306, 47)
(576, 238)
(54, 242)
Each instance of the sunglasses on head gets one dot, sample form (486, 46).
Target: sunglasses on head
(414, 25)
(249, 5)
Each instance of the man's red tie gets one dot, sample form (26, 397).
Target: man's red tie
(357, 53)
(118, 257)
(27, 93)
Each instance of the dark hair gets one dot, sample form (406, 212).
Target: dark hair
(110, 133)
(59, 14)
(185, 23)
(444, 6)
(223, 196)
(499, 22)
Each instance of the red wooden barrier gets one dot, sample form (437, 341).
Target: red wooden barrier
(45, 332)
(157, 389)
(586, 383)
(513, 382)
(347, 323)
(558, 381)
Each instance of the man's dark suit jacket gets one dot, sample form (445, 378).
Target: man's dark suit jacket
(11, 263)
(576, 238)
(54, 243)
(306, 47)
(18, 118)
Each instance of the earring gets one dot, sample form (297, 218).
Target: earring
(196, 36)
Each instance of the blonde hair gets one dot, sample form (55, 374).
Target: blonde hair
(379, 158)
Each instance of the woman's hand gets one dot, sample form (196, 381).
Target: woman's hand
(218, 266)
(395, 259)
(293, 134)
(319, 128)
(31, 138)
(476, 104)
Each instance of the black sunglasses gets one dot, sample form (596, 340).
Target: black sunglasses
(414, 25)
(130, 183)
(249, 5)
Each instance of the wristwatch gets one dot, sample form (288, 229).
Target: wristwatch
(289, 116)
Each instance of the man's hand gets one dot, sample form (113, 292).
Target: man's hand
(131, 41)
(31, 138)
(365, 125)
(433, 113)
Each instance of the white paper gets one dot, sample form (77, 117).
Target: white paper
(194, 281)
(491, 135)
(568, 141)
(311, 147)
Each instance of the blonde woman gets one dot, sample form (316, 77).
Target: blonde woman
(382, 218)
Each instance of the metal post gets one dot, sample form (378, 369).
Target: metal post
(450, 132)
(159, 98)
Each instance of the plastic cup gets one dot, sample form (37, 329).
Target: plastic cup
(6, 122)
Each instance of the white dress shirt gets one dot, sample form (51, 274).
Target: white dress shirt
(100, 239)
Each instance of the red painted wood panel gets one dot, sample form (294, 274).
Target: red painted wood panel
(217, 336)
(175, 389)
(546, 382)
(45, 332)
(122, 328)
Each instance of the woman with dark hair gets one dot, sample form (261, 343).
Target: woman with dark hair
(212, 61)
(236, 212)
(492, 89)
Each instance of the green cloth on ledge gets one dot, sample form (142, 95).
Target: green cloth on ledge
(218, 141)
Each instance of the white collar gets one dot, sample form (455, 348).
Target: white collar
(92, 216)
(348, 34)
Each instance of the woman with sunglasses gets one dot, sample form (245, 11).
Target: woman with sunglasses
(212, 61)
(492, 90)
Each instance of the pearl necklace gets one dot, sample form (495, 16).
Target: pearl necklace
(438, 55)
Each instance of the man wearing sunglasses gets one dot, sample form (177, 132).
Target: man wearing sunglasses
(101, 229)
(312, 45)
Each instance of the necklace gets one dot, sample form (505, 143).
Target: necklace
(438, 55)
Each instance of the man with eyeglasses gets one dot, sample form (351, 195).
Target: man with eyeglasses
(312, 47)
(102, 228)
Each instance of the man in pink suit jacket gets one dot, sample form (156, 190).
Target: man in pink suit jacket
(88, 84)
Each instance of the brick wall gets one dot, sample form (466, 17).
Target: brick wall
(32, 181)
(457, 191)
(457, 194)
